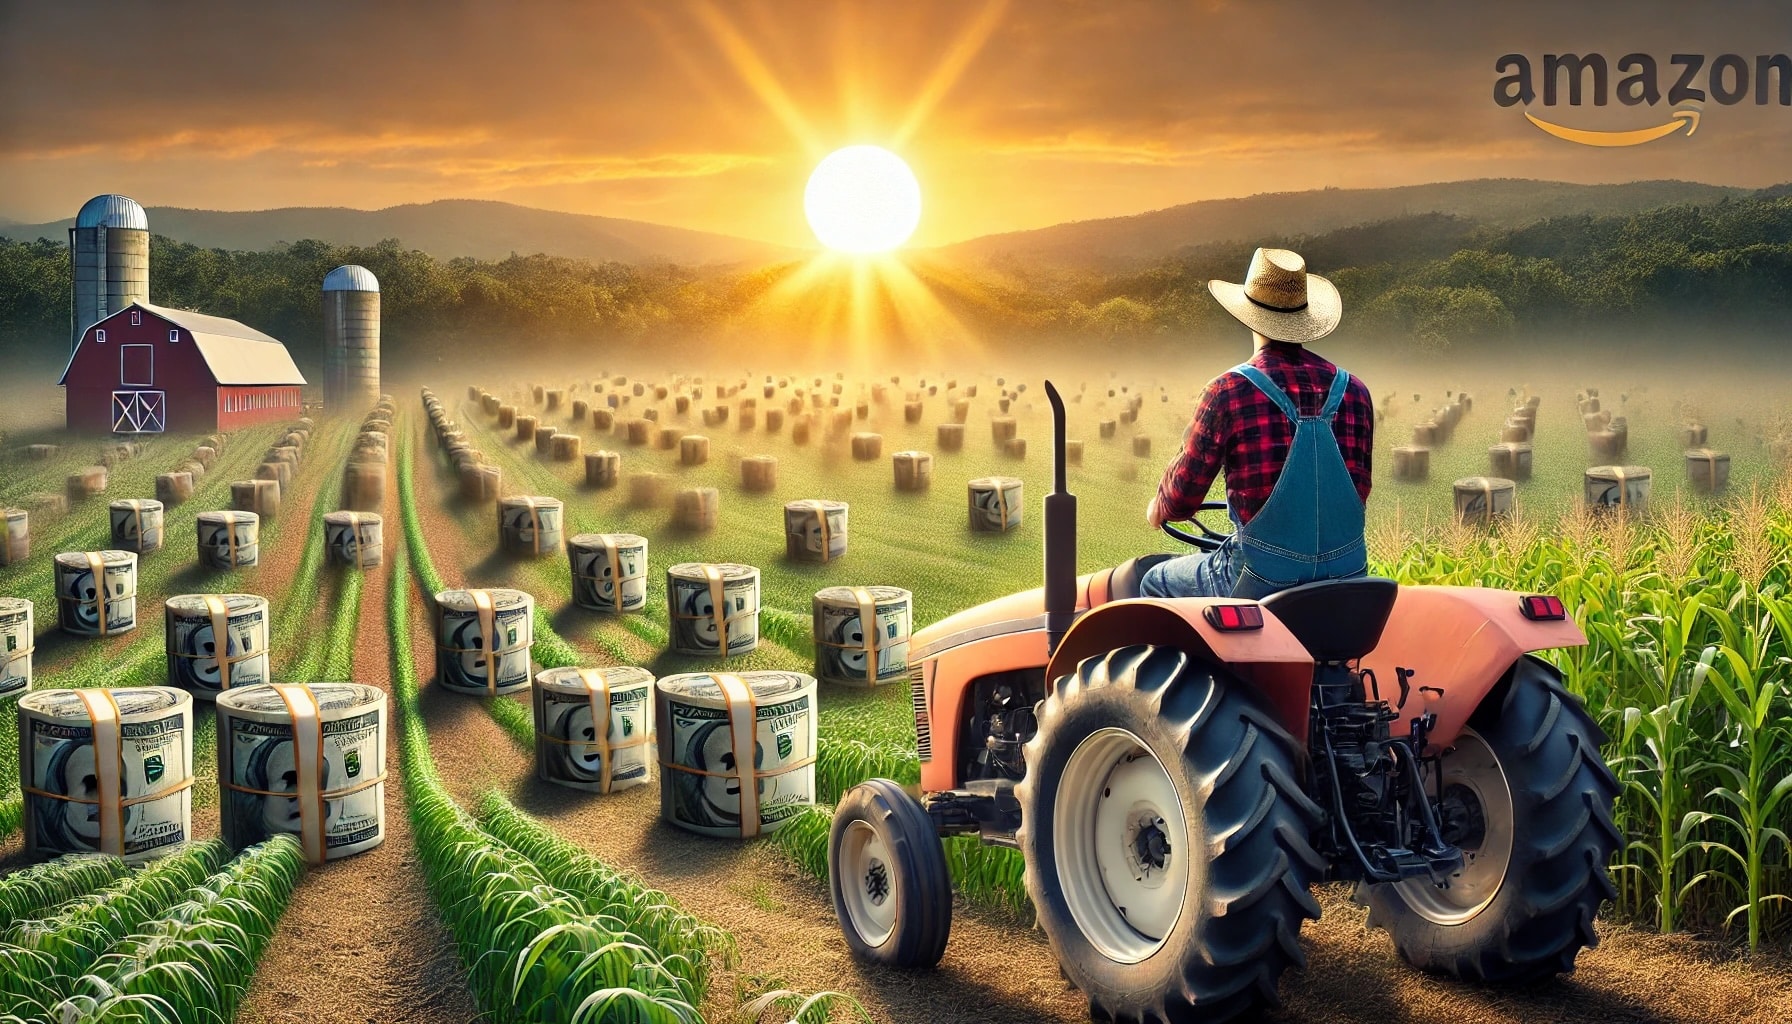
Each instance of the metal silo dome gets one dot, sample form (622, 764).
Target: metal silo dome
(350, 278)
(112, 212)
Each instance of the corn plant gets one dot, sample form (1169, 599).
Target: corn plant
(193, 965)
(37, 890)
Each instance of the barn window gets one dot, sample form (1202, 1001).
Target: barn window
(173, 335)
(99, 335)
(136, 318)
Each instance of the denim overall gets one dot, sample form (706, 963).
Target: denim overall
(1310, 528)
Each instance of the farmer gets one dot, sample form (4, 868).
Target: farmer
(1292, 432)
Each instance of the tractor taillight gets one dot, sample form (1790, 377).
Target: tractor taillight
(1233, 618)
(1540, 607)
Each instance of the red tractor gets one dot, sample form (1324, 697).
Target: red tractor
(1179, 773)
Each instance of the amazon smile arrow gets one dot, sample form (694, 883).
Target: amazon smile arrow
(1636, 137)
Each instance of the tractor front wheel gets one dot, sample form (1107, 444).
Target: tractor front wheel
(1166, 839)
(891, 889)
(1529, 801)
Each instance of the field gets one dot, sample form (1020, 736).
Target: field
(497, 894)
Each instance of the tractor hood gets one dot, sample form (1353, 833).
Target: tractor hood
(1011, 614)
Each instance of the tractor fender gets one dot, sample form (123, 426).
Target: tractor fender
(1454, 645)
(1269, 660)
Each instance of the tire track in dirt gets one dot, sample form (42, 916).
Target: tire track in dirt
(360, 941)
(994, 971)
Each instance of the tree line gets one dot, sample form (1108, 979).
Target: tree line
(1435, 280)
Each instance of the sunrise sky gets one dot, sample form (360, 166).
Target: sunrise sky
(711, 115)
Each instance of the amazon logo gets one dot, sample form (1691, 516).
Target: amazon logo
(1574, 80)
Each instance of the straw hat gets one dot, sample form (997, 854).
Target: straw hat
(1280, 300)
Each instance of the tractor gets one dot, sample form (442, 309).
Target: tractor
(1178, 774)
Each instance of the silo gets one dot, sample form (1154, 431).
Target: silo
(351, 339)
(109, 246)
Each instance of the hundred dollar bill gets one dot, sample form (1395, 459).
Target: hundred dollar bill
(15, 535)
(101, 605)
(995, 503)
(353, 538)
(609, 571)
(569, 748)
(529, 525)
(62, 770)
(846, 651)
(1612, 487)
(229, 539)
(699, 621)
(194, 648)
(17, 642)
(259, 763)
(701, 789)
(137, 524)
(815, 530)
(471, 659)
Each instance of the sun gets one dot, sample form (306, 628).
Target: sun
(862, 199)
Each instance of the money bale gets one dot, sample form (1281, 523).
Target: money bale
(666, 438)
(566, 447)
(800, 430)
(1511, 460)
(609, 571)
(1428, 434)
(96, 592)
(1073, 452)
(530, 525)
(1482, 499)
(640, 431)
(506, 417)
(1693, 435)
(914, 470)
(695, 508)
(815, 529)
(861, 634)
(1624, 489)
(107, 771)
(1412, 463)
(174, 489)
(479, 483)
(18, 641)
(483, 639)
(40, 452)
(602, 468)
(774, 420)
(649, 490)
(737, 750)
(693, 450)
(949, 437)
(594, 728)
(1001, 429)
(911, 412)
(354, 539)
(995, 504)
(1708, 471)
(228, 540)
(555, 396)
(603, 420)
(714, 607)
(544, 440)
(15, 535)
(1515, 431)
(85, 484)
(867, 447)
(261, 497)
(1015, 448)
(197, 661)
(525, 428)
(1108, 429)
(1606, 444)
(304, 760)
(279, 472)
(758, 473)
(137, 525)
(1596, 421)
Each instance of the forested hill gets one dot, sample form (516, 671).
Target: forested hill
(1433, 281)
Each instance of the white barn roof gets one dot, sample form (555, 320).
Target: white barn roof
(236, 353)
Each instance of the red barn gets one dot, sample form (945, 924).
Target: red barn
(147, 369)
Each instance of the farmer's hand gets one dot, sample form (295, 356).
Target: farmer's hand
(1154, 514)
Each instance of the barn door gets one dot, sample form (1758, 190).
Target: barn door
(139, 412)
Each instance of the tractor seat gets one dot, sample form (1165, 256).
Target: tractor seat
(1124, 583)
(1336, 620)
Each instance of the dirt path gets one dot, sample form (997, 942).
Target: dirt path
(785, 924)
(360, 941)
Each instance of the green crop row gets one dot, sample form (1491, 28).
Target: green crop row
(193, 964)
(34, 891)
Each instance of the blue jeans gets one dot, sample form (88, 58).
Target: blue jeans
(1212, 574)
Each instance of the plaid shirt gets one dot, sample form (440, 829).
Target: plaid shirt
(1238, 426)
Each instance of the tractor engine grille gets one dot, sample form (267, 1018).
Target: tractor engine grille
(917, 689)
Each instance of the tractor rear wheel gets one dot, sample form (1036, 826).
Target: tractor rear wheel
(1529, 800)
(892, 892)
(1166, 839)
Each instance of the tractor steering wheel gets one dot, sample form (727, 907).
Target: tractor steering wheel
(1208, 539)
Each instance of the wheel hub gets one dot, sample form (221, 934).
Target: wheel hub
(871, 900)
(1117, 824)
(877, 882)
(1478, 813)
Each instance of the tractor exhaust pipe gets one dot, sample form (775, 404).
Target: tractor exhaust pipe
(1060, 535)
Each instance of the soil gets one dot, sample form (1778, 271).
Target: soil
(995, 971)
